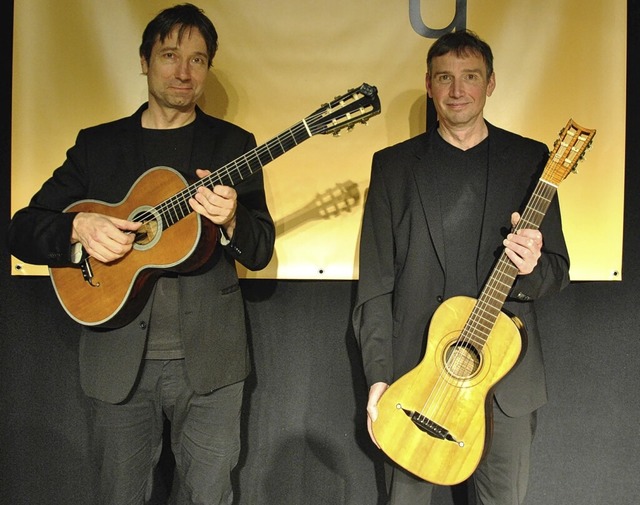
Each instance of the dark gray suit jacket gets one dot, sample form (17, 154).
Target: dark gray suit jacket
(103, 164)
(402, 257)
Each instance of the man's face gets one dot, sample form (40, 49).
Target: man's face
(459, 87)
(176, 71)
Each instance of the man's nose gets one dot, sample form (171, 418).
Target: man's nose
(456, 88)
(184, 70)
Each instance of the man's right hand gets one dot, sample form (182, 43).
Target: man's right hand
(104, 238)
(375, 392)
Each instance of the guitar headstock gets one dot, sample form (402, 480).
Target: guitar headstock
(568, 150)
(355, 106)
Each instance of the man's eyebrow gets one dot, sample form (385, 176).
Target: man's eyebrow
(464, 71)
(176, 48)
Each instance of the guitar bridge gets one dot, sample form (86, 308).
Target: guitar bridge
(87, 272)
(431, 428)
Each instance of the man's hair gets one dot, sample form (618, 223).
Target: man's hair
(461, 42)
(186, 17)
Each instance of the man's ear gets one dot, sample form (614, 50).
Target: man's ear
(143, 65)
(491, 84)
(427, 83)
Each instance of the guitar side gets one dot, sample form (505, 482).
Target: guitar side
(119, 289)
(435, 420)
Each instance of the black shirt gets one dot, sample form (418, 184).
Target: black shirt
(462, 185)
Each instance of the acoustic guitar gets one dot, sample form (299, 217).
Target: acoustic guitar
(172, 236)
(435, 421)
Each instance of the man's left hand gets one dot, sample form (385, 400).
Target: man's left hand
(218, 205)
(524, 247)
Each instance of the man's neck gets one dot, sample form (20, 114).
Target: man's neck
(466, 137)
(158, 118)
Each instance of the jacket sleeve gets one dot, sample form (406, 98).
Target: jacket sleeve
(551, 274)
(373, 311)
(40, 233)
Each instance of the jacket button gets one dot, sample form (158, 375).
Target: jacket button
(439, 299)
(142, 325)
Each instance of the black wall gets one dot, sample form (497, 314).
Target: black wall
(304, 436)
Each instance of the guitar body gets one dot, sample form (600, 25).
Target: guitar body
(119, 290)
(448, 395)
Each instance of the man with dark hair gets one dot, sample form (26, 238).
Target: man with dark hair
(184, 357)
(434, 220)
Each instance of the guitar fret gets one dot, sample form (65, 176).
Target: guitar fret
(168, 217)
(238, 170)
(263, 157)
(254, 164)
(488, 311)
(228, 172)
(484, 324)
(507, 285)
(173, 211)
(185, 209)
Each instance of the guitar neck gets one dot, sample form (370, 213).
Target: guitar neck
(503, 276)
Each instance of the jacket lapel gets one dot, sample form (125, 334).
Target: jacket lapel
(427, 189)
(495, 220)
(130, 140)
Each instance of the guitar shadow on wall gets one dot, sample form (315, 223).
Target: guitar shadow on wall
(341, 198)
(332, 203)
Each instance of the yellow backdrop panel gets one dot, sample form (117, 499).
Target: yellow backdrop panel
(76, 64)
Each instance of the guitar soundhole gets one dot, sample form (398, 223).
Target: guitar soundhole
(150, 231)
(462, 360)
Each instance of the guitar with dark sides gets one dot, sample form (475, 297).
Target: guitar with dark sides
(172, 237)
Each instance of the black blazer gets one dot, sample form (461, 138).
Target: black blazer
(103, 164)
(402, 257)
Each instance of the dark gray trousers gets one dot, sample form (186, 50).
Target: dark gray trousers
(205, 438)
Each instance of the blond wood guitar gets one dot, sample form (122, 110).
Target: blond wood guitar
(435, 421)
(172, 236)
